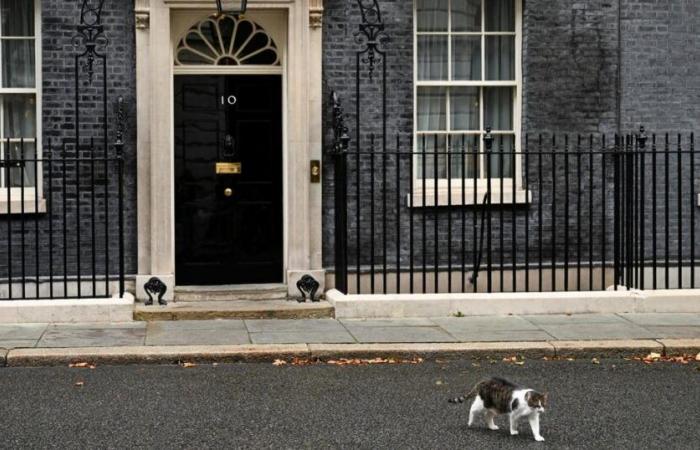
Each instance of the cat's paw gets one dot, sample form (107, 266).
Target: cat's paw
(513, 432)
(494, 428)
(539, 438)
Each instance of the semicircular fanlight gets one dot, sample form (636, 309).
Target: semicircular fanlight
(226, 40)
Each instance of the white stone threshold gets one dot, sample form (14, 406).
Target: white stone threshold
(95, 310)
(446, 305)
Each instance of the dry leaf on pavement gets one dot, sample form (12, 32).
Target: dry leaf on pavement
(79, 383)
(595, 361)
(188, 365)
(78, 365)
(279, 362)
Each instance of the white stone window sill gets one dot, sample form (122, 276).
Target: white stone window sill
(15, 207)
(456, 197)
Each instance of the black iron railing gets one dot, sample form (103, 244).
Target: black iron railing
(480, 215)
(62, 222)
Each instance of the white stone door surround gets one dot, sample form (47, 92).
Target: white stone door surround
(156, 23)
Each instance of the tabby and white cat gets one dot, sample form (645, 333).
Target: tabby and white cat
(498, 396)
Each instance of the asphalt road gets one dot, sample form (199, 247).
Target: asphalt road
(616, 404)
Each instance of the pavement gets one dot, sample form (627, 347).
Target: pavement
(614, 404)
(550, 334)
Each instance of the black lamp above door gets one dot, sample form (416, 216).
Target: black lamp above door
(234, 7)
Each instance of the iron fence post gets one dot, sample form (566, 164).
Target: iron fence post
(339, 151)
(119, 150)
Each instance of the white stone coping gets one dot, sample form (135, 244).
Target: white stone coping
(96, 310)
(446, 305)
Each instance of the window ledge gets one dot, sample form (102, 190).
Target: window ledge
(457, 198)
(15, 207)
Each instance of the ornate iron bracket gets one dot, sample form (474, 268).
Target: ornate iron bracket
(308, 286)
(341, 138)
(371, 34)
(90, 40)
(155, 286)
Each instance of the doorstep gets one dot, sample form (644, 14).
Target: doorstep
(238, 309)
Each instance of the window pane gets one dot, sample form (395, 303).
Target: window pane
(463, 156)
(19, 174)
(17, 17)
(466, 15)
(18, 63)
(432, 57)
(502, 156)
(431, 15)
(500, 15)
(19, 113)
(464, 107)
(498, 108)
(466, 58)
(500, 58)
(432, 109)
(434, 151)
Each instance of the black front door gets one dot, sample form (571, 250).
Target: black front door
(228, 179)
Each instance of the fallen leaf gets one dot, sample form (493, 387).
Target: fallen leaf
(519, 363)
(279, 362)
(439, 383)
(78, 365)
(476, 365)
(697, 357)
(79, 383)
(188, 365)
(595, 361)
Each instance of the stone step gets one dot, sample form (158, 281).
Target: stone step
(241, 309)
(249, 292)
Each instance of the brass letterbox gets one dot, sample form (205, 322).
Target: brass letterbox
(228, 168)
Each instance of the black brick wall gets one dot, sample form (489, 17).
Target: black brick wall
(59, 21)
(570, 86)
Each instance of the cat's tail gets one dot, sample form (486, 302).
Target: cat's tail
(464, 398)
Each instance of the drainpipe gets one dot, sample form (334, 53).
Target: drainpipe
(619, 68)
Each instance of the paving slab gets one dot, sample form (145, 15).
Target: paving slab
(417, 322)
(676, 332)
(94, 335)
(22, 332)
(670, 319)
(9, 344)
(375, 334)
(301, 337)
(277, 326)
(501, 336)
(597, 331)
(488, 323)
(566, 319)
(197, 332)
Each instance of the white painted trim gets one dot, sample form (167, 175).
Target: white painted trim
(302, 138)
(517, 100)
(15, 195)
(446, 305)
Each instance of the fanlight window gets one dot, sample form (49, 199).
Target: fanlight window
(226, 40)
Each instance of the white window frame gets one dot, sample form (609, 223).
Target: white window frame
(456, 194)
(29, 192)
